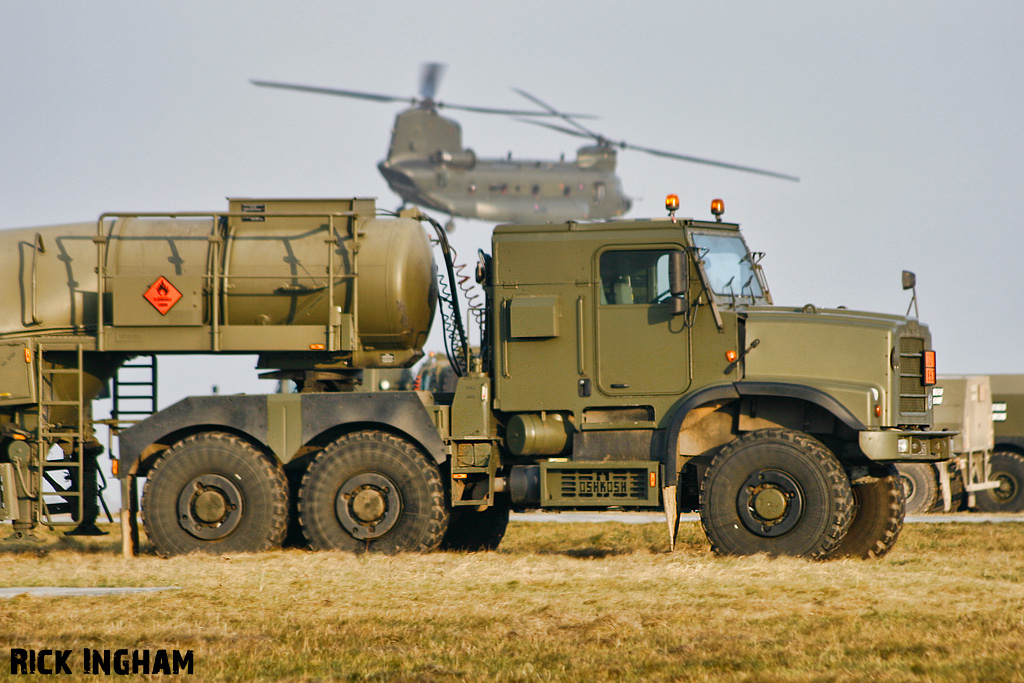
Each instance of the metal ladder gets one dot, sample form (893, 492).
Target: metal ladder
(63, 498)
(135, 398)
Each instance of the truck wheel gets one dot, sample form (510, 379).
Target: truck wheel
(920, 487)
(372, 491)
(878, 519)
(775, 491)
(1008, 470)
(213, 492)
(472, 530)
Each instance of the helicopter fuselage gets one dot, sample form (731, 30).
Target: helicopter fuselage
(428, 166)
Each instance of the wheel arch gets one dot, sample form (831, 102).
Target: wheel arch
(335, 431)
(399, 413)
(149, 455)
(731, 394)
(243, 416)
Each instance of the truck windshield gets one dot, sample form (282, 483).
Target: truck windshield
(728, 266)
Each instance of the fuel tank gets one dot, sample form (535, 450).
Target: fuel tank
(267, 275)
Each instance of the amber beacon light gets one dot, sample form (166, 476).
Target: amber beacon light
(717, 209)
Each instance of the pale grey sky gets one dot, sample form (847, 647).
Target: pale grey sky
(902, 119)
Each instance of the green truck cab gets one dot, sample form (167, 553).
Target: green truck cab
(655, 343)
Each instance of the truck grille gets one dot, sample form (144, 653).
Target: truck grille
(913, 392)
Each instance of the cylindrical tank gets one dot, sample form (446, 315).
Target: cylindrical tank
(49, 283)
(277, 275)
(533, 434)
(267, 271)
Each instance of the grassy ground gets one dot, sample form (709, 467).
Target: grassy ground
(560, 602)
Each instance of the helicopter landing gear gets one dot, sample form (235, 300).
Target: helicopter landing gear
(449, 227)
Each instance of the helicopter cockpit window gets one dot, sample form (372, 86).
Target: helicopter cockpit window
(728, 265)
(634, 277)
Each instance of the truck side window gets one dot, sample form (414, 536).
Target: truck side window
(634, 277)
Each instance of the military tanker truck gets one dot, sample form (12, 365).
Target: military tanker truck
(636, 365)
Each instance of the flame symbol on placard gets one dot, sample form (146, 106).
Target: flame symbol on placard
(163, 295)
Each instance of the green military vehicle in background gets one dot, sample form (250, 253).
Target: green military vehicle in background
(637, 365)
(962, 405)
(1008, 451)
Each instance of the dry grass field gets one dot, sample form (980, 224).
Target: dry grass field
(557, 602)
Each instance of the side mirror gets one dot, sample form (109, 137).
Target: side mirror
(678, 274)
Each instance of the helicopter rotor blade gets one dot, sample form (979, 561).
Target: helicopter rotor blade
(430, 79)
(706, 162)
(568, 118)
(505, 112)
(376, 97)
(583, 132)
(553, 126)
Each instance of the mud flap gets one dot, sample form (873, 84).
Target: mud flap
(669, 500)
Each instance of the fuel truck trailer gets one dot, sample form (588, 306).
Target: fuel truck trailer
(636, 365)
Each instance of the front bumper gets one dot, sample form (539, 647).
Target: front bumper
(907, 445)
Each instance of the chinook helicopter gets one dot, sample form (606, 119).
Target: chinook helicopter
(428, 165)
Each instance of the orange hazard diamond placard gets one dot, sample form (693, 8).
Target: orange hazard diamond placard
(162, 294)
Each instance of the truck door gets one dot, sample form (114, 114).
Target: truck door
(641, 348)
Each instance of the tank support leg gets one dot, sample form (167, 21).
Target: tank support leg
(129, 516)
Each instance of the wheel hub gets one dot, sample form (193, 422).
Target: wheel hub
(770, 503)
(909, 489)
(210, 507)
(368, 505)
(1007, 488)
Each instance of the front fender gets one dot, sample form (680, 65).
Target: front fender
(736, 390)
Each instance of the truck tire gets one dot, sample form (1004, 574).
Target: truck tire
(213, 492)
(878, 519)
(775, 491)
(371, 490)
(1008, 470)
(920, 487)
(472, 531)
